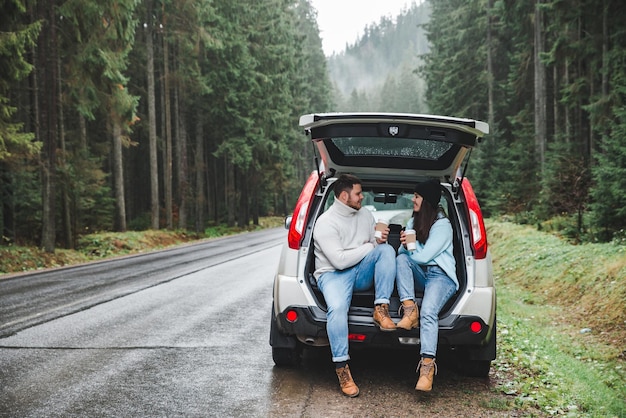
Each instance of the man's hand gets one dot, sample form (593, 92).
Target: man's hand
(384, 236)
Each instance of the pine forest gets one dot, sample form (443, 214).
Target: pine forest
(177, 114)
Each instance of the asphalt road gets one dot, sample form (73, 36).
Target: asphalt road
(184, 333)
(30, 299)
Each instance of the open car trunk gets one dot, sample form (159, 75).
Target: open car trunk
(363, 302)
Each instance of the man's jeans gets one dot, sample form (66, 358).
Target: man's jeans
(437, 288)
(377, 268)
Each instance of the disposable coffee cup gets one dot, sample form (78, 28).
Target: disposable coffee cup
(381, 225)
(410, 239)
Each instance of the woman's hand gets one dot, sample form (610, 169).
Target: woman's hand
(403, 238)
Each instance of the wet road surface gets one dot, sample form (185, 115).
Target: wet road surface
(197, 346)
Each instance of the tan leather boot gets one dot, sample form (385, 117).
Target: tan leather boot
(348, 387)
(382, 318)
(410, 316)
(428, 369)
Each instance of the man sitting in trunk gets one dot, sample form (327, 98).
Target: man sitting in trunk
(350, 258)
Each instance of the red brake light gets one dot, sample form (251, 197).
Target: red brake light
(476, 327)
(291, 316)
(356, 337)
(476, 222)
(301, 212)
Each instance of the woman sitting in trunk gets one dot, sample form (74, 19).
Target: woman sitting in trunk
(430, 268)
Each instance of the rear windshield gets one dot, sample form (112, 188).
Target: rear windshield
(391, 147)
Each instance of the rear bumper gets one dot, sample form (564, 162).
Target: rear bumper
(454, 330)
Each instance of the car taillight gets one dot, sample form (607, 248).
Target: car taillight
(476, 327)
(291, 316)
(301, 212)
(476, 222)
(357, 337)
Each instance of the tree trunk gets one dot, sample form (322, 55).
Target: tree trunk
(47, 59)
(605, 48)
(7, 206)
(152, 133)
(229, 191)
(490, 75)
(211, 187)
(540, 89)
(605, 72)
(167, 164)
(200, 170)
(253, 193)
(83, 153)
(36, 117)
(82, 126)
(567, 113)
(583, 130)
(68, 236)
(241, 199)
(181, 160)
(118, 175)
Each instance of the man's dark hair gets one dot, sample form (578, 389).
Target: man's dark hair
(345, 182)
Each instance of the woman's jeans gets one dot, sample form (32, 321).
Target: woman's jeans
(377, 268)
(437, 288)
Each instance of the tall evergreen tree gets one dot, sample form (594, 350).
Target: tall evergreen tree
(239, 75)
(104, 34)
(608, 113)
(17, 36)
(47, 118)
(149, 34)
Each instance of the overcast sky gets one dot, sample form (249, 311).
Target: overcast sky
(342, 21)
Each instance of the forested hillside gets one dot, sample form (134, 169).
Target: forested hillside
(138, 114)
(378, 71)
(549, 76)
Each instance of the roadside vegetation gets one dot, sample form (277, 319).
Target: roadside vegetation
(561, 322)
(98, 246)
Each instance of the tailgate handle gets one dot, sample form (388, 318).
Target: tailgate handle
(437, 135)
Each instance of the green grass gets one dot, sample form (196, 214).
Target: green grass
(548, 292)
(102, 245)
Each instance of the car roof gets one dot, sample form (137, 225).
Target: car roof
(395, 146)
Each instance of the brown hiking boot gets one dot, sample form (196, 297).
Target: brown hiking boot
(409, 318)
(382, 318)
(348, 387)
(428, 369)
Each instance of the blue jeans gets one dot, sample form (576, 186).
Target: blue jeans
(377, 268)
(437, 288)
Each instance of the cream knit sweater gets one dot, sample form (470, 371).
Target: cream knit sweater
(342, 236)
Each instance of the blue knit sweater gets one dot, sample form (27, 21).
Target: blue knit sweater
(438, 248)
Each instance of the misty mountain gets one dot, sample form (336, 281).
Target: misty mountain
(377, 72)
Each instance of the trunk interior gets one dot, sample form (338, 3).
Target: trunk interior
(363, 302)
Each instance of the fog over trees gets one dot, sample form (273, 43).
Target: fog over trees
(549, 78)
(378, 71)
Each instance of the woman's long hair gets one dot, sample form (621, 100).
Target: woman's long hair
(423, 220)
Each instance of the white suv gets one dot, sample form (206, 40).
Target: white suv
(389, 153)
